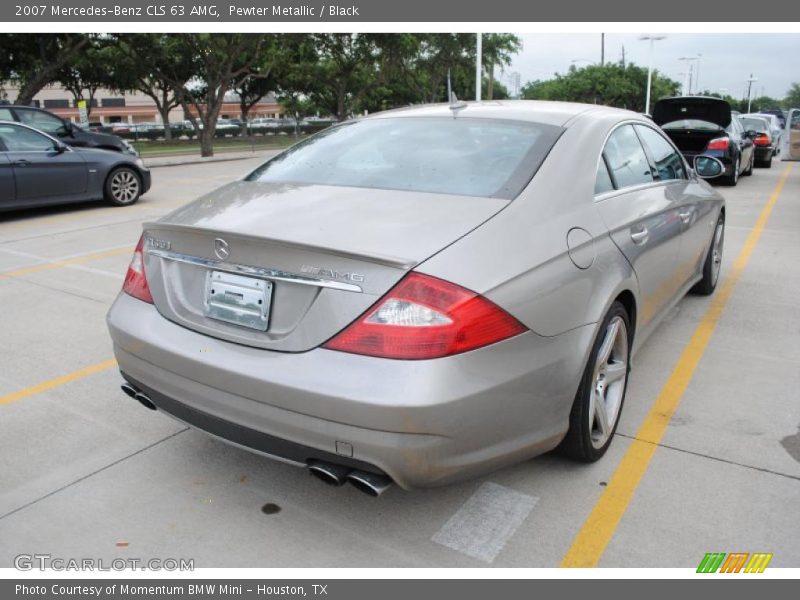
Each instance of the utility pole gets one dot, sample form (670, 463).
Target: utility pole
(623, 56)
(478, 67)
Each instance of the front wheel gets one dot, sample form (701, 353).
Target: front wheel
(123, 187)
(733, 178)
(598, 403)
(713, 263)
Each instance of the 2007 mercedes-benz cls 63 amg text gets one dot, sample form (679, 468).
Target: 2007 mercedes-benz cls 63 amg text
(422, 295)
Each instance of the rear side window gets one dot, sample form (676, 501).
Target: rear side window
(602, 182)
(669, 163)
(465, 156)
(626, 158)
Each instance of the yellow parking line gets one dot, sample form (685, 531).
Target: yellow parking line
(598, 529)
(65, 263)
(58, 381)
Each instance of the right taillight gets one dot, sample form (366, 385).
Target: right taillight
(135, 279)
(718, 144)
(762, 140)
(423, 317)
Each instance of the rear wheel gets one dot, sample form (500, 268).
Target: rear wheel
(123, 187)
(598, 403)
(711, 267)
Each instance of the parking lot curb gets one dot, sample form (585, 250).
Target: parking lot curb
(157, 162)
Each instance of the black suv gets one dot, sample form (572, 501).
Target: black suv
(70, 134)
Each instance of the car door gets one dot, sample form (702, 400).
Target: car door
(694, 200)
(793, 135)
(744, 144)
(642, 219)
(41, 170)
(7, 192)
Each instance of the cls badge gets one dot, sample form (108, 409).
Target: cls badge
(221, 249)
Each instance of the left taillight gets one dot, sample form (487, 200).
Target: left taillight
(424, 317)
(135, 279)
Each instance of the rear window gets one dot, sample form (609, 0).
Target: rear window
(754, 124)
(464, 156)
(691, 124)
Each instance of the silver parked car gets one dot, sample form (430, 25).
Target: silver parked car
(423, 295)
(37, 169)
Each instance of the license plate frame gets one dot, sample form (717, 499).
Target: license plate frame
(238, 299)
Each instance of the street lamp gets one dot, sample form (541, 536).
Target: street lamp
(697, 75)
(749, 90)
(652, 38)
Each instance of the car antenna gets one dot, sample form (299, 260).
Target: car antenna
(456, 104)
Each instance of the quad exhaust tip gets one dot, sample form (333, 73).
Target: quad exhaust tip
(371, 484)
(141, 397)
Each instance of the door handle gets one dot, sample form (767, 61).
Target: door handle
(685, 216)
(640, 237)
(21, 163)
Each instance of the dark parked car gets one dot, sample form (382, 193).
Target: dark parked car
(701, 125)
(37, 170)
(66, 131)
(758, 129)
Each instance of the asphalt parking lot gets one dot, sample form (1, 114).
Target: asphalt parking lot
(87, 472)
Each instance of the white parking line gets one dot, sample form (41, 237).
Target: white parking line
(483, 525)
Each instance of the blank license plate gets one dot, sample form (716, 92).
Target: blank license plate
(237, 299)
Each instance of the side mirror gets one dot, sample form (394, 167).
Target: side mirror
(708, 167)
(60, 148)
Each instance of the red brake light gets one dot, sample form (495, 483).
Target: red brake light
(135, 279)
(762, 140)
(718, 144)
(424, 317)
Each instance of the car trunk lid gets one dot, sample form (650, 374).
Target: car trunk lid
(326, 254)
(711, 110)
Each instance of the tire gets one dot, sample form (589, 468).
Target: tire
(749, 170)
(733, 178)
(711, 266)
(590, 435)
(123, 187)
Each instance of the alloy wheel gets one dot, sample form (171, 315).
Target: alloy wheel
(610, 377)
(124, 186)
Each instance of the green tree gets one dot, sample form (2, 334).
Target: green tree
(498, 50)
(611, 84)
(32, 62)
(793, 97)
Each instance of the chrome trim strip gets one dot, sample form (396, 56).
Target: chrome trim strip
(271, 274)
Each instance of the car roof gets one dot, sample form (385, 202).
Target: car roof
(539, 111)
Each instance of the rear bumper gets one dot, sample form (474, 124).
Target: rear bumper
(422, 423)
(764, 153)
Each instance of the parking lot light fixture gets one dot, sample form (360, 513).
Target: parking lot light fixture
(653, 39)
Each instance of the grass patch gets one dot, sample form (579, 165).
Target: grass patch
(149, 149)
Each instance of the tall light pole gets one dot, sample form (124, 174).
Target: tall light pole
(749, 90)
(478, 67)
(690, 60)
(652, 38)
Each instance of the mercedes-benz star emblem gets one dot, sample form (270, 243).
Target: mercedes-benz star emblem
(221, 249)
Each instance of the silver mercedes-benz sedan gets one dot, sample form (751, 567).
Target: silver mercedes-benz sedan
(423, 295)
